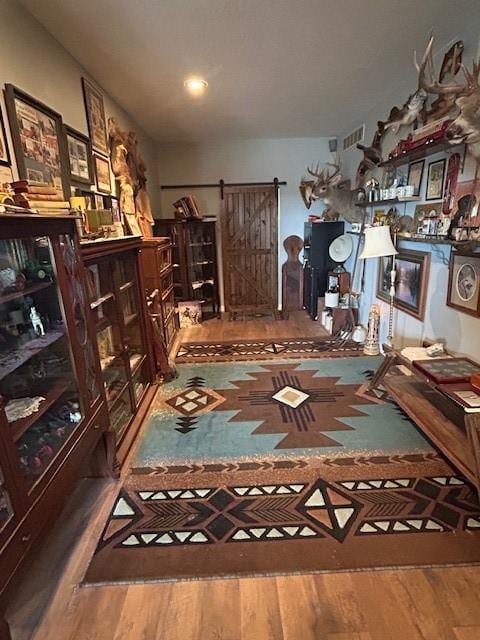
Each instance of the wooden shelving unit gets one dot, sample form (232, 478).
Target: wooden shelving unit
(425, 150)
(379, 203)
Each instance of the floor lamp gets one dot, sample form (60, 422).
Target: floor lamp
(379, 244)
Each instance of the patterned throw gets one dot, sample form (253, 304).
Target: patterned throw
(282, 466)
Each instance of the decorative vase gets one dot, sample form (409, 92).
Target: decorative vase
(372, 345)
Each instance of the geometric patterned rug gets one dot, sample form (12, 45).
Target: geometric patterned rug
(267, 349)
(309, 522)
(282, 466)
(272, 410)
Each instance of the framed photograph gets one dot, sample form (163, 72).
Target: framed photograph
(423, 213)
(99, 201)
(436, 174)
(464, 283)
(97, 126)
(38, 140)
(466, 204)
(4, 152)
(79, 157)
(102, 174)
(415, 175)
(412, 268)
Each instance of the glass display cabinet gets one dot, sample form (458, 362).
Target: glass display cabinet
(194, 254)
(52, 412)
(156, 261)
(114, 291)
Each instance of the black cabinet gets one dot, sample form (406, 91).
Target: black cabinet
(318, 237)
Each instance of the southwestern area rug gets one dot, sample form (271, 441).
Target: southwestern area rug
(267, 349)
(279, 467)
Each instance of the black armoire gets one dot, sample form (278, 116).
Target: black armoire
(318, 237)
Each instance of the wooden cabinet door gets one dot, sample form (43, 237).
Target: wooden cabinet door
(250, 248)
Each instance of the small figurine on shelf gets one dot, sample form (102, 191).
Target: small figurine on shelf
(36, 321)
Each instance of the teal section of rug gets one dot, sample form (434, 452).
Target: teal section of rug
(221, 434)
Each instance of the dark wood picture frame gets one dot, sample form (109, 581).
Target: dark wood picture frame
(443, 163)
(430, 369)
(5, 158)
(417, 187)
(101, 186)
(75, 179)
(96, 121)
(458, 291)
(13, 94)
(421, 258)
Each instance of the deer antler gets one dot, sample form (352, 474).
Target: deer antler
(329, 177)
(315, 172)
(430, 84)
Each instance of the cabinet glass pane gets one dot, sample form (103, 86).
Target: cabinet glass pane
(121, 414)
(38, 387)
(6, 511)
(140, 383)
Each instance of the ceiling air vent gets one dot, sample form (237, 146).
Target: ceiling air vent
(354, 137)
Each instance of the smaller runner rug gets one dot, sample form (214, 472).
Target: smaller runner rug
(266, 349)
(332, 518)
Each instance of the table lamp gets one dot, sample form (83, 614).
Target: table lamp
(378, 244)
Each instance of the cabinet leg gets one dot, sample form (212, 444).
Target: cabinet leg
(389, 360)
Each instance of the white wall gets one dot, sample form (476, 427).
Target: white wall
(243, 161)
(459, 330)
(32, 60)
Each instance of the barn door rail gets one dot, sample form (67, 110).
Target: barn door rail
(221, 184)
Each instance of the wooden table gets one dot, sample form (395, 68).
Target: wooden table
(417, 395)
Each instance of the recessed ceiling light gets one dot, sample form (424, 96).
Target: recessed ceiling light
(196, 85)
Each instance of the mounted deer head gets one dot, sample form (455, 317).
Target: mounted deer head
(466, 97)
(329, 187)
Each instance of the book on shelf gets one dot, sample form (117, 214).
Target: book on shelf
(42, 204)
(463, 394)
(37, 197)
(187, 208)
(24, 186)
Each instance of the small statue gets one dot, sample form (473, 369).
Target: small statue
(36, 321)
(372, 346)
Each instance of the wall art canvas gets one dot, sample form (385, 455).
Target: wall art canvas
(37, 134)
(97, 126)
(79, 157)
(412, 268)
(436, 173)
(102, 174)
(4, 153)
(415, 174)
(464, 283)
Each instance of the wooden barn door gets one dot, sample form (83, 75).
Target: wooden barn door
(249, 247)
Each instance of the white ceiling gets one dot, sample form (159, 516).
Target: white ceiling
(276, 68)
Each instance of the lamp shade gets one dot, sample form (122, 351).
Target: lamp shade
(378, 243)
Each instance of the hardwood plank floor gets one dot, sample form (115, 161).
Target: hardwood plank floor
(414, 604)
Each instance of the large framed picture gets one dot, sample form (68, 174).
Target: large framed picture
(97, 126)
(79, 157)
(415, 174)
(38, 140)
(412, 269)
(102, 174)
(464, 283)
(436, 174)
(4, 152)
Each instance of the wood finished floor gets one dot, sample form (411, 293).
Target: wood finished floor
(415, 604)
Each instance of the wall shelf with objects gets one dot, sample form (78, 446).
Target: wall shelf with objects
(418, 153)
(53, 415)
(390, 201)
(115, 286)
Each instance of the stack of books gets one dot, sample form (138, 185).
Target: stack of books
(186, 208)
(41, 198)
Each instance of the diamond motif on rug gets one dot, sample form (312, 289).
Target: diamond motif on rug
(194, 401)
(291, 397)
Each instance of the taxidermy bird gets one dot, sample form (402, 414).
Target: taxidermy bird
(408, 113)
(372, 155)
